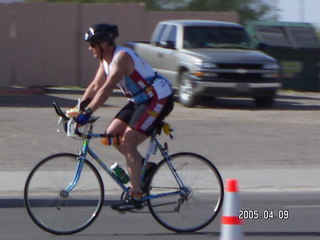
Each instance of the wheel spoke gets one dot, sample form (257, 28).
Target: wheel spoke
(198, 202)
(54, 209)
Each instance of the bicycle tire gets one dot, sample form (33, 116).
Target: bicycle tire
(181, 213)
(45, 203)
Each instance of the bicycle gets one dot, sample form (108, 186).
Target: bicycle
(64, 193)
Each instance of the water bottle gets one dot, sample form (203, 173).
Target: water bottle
(120, 173)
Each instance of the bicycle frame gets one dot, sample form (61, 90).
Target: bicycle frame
(174, 189)
(153, 146)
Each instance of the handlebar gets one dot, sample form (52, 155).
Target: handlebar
(59, 111)
(69, 122)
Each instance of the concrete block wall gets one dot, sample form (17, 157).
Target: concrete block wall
(42, 44)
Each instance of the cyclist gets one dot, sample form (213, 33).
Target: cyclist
(150, 99)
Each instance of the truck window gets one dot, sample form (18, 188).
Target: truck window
(158, 33)
(304, 37)
(204, 37)
(288, 36)
(169, 36)
(273, 36)
(172, 36)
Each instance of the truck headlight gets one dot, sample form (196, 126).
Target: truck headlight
(204, 69)
(205, 74)
(205, 65)
(271, 66)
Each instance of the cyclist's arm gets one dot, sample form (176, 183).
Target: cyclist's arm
(122, 65)
(96, 84)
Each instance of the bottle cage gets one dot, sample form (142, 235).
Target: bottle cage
(166, 128)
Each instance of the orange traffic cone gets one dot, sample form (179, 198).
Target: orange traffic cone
(231, 225)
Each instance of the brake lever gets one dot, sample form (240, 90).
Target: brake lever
(84, 104)
(76, 130)
(58, 124)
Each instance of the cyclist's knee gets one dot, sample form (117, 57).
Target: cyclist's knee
(131, 140)
(116, 127)
(127, 146)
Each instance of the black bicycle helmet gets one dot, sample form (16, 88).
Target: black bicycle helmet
(102, 32)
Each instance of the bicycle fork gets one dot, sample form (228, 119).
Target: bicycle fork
(81, 158)
(65, 193)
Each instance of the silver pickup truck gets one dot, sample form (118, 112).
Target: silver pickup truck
(210, 59)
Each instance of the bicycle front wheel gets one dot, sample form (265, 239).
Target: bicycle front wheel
(56, 210)
(189, 207)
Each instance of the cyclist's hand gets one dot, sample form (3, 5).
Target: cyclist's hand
(84, 117)
(72, 112)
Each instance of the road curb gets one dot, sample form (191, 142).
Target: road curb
(25, 91)
(14, 91)
(11, 203)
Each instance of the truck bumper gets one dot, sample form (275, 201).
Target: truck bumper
(205, 88)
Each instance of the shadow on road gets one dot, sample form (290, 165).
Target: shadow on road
(284, 234)
(283, 102)
(217, 234)
(35, 101)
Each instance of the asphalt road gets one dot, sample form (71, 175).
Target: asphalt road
(302, 222)
(274, 153)
(240, 139)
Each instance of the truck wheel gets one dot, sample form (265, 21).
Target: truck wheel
(186, 95)
(264, 102)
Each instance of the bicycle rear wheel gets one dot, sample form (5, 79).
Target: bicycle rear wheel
(50, 207)
(192, 208)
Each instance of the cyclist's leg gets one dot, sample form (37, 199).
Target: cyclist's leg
(129, 148)
(130, 141)
(142, 123)
(143, 120)
(116, 126)
(120, 122)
